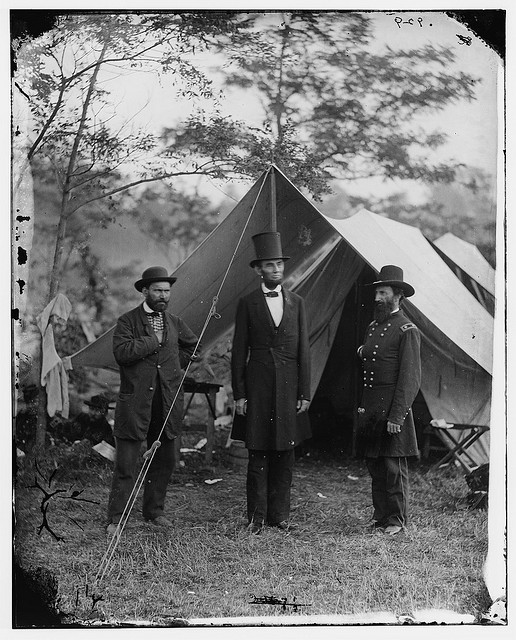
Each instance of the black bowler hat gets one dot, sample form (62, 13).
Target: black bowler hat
(98, 402)
(153, 274)
(392, 276)
(267, 246)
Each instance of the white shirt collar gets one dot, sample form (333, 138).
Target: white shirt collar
(146, 308)
(266, 290)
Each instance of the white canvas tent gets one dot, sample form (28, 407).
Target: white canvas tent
(330, 261)
(470, 266)
(469, 259)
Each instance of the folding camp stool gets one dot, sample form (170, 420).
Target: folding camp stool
(458, 446)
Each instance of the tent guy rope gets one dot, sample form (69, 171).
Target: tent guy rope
(149, 454)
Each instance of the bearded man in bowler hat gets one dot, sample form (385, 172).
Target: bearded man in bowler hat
(270, 369)
(151, 346)
(386, 435)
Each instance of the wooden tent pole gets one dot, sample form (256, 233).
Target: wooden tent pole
(273, 201)
(357, 378)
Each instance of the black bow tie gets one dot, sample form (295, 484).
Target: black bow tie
(154, 314)
(271, 294)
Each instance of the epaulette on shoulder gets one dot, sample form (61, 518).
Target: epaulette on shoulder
(407, 326)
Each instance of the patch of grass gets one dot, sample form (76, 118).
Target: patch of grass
(208, 565)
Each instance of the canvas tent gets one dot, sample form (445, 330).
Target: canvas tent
(470, 266)
(330, 262)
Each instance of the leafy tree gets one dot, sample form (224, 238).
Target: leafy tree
(469, 209)
(65, 74)
(332, 106)
(177, 222)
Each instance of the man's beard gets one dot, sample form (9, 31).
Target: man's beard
(159, 305)
(382, 310)
(272, 284)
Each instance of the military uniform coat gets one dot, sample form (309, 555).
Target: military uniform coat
(392, 377)
(145, 364)
(271, 368)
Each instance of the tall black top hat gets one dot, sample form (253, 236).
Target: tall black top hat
(153, 274)
(392, 276)
(267, 246)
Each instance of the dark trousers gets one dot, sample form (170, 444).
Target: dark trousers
(269, 478)
(390, 489)
(158, 474)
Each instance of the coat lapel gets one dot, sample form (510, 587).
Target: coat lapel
(287, 307)
(262, 310)
(144, 320)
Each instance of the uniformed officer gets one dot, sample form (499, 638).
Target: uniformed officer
(386, 434)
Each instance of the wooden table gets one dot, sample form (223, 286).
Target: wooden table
(209, 390)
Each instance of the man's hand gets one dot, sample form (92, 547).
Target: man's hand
(241, 406)
(392, 427)
(302, 405)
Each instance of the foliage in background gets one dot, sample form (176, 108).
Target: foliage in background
(177, 222)
(333, 107)
(66, 74)
(465, 208)
(334, 104)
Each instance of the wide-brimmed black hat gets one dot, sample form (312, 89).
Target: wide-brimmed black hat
(267, 246)
(98, 402)
(153, 274)
(392, 276)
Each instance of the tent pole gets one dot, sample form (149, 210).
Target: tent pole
(273, 201)
(356, 372)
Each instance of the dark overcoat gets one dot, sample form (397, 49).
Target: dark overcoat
(144, 364)
(271, 368)
(94, 430)
(392, 377)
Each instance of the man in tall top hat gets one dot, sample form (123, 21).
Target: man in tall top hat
(150, 346)
(270, 369)
(386, 435)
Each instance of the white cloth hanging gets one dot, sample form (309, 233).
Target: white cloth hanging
(53, 369)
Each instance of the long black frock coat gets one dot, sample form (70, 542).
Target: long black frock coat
(392, 376)
(271, 368)
(144, 364)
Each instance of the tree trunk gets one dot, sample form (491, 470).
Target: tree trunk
(279, 106)
(55, 274)
(67, 186)
(41, 424)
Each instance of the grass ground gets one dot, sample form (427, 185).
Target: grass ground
(208, 565)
